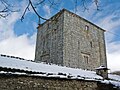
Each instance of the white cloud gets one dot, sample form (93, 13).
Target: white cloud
(10, 43)
(110, 26)
(47, 11)
(113, 56)
(113, 52)
(7, 25)
(88, 12)
(18, 46)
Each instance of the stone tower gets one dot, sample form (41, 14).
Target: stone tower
(69, 40)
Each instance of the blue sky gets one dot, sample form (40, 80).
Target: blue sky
(18, 38)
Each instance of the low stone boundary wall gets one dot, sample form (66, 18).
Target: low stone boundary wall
(24, 82)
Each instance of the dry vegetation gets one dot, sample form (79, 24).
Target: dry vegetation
(116, 72)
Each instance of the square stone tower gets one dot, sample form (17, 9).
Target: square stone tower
(69, 40)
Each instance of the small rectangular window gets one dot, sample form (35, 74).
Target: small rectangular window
(86, 59)
(86, 27)
(91, 44)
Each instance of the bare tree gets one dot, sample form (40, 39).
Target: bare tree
(52, 4)
(7, 8)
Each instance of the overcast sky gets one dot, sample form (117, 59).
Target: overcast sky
(19, 38)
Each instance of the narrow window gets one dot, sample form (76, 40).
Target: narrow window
(55, 30)
(78, 45)
(86, 27)
(91, 44)
(86, 59)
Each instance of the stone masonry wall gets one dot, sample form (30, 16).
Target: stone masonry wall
(49, 45)
(14, 82)
(84, 45)
(69, 40)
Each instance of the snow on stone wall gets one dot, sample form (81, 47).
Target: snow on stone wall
(53, 70)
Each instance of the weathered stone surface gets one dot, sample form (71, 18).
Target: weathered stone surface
(69, 40)
(13, 82)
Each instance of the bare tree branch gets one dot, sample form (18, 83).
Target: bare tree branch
(96, 3)
(36, 11)
(6, 7)
(27, 8)
(4, 15)
(76, 5)
(84, 2)
(40, 2)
